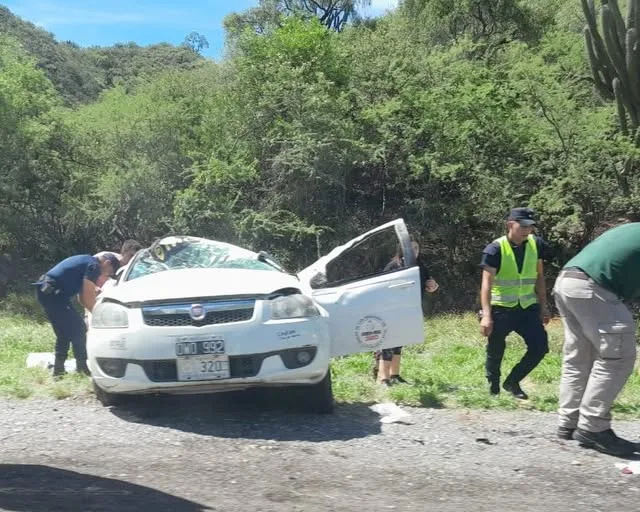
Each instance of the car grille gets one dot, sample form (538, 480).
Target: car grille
(177, 315)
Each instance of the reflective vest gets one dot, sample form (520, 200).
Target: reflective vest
(510, 287)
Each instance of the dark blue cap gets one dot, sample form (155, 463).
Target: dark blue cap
(525, 216)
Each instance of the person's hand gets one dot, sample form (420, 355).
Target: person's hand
(545, 315)
(486, 325)
(431, 285)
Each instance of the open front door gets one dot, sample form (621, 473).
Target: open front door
(373, 299)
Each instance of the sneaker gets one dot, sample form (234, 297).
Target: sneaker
(494, 387)
(565, 433)
(605, 442)
(386, 383)
(515, 389)
(396, 379)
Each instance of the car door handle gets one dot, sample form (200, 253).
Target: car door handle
(406, 284)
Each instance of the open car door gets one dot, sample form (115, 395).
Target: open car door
(373, 301)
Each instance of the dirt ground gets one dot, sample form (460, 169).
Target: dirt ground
(230, 453)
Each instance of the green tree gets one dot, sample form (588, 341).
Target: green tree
(197, 42)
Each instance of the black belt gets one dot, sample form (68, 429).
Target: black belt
(575, 273)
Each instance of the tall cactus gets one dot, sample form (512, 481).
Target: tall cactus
(614, 57)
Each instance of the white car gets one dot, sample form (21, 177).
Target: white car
(190, 315)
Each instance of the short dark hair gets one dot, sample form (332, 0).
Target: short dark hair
(130, 246)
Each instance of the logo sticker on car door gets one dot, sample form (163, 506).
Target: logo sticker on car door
(371, 331)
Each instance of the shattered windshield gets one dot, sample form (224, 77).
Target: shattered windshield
(181, 252)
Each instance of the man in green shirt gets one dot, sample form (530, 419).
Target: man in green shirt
(600, 343)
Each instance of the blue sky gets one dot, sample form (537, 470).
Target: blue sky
(106, 22)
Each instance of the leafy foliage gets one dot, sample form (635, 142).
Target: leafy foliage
(444, 113)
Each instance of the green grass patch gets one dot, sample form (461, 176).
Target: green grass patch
(21, 334)
(447, 370)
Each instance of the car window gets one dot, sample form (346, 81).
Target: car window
(172, 253)
(372, 256)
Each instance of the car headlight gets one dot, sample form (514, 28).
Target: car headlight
(108, 315)
(293, 306)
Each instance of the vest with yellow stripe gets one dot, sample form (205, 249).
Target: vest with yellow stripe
(511, 287)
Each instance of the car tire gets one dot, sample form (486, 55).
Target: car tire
(318, 398)
(105, 398)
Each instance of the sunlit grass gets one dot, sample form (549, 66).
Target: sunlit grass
(447, 370)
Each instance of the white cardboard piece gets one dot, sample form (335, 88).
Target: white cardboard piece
(46, 359)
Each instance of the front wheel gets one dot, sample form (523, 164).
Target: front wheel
(316, 398)
(105, 398)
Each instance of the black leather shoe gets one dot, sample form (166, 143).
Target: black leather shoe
(82, 367)
(565, 433)
(494, 387)
(515, 389)
(605, 442)
(58, 369)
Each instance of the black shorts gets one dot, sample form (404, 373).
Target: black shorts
(386, 354)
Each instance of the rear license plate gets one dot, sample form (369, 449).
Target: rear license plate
(203, 367)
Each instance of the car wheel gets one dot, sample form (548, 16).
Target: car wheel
(317, 398)
(106, 399)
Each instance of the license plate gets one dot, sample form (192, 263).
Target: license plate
(195, 346)
(203, 367)
(201, 358)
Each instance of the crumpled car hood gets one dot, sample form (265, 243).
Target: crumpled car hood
(200, 283)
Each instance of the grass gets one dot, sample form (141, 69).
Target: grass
(448, 371)
(20, 335)
(445, 371)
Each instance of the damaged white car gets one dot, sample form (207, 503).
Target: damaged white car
(190, 315)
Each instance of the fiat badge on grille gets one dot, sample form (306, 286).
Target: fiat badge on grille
(197, 312)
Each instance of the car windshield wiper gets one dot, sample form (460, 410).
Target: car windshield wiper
(265, 258)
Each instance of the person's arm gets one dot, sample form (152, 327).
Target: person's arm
(88, 294)
(486, 323)
(541, 293)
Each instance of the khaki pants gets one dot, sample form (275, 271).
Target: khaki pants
(599, 351)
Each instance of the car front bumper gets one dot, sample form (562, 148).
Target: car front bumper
(261, 353)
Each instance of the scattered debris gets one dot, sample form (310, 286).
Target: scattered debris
(484, 440)
(629, 468)
(46, 359)
(391, 413)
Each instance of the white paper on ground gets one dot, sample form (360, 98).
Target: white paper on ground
(46, 359)
(633, 466)
(391, 413)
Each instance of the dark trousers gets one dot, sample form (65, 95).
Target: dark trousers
(68, 326)
(525, 322)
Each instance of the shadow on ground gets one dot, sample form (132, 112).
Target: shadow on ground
(36, 488)
(251, 414)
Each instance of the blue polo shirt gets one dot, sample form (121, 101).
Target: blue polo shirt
(70, 273)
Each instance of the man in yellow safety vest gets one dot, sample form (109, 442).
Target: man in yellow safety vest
(513, 299)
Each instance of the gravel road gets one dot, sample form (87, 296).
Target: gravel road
(230, 453)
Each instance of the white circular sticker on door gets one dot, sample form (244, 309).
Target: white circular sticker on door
(371, 331)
